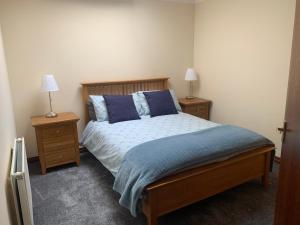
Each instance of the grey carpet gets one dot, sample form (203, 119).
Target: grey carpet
(83, 195)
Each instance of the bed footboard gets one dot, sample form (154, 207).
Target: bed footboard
(193, 185)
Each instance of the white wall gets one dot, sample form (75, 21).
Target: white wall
(7, 135)
(242, 53)
(90, 40)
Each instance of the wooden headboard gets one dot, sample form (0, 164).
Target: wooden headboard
(120, 88)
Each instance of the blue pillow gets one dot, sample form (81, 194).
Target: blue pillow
(141, 101)
(120, 108)
(160, 103)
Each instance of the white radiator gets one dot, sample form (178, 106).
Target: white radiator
(21, 184)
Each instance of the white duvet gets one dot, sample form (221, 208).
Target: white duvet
(110, 142)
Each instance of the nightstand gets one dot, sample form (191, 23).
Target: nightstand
(197, 106)
(57, 139)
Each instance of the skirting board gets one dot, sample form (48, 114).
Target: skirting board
(33, 159)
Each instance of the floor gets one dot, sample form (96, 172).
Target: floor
(83, 195)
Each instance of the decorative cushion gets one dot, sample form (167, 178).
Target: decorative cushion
(144, 104)
(98, 111)
(160, 103)
(120, 108)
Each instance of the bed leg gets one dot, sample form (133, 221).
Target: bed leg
(266, 176)
(149, 208)
(265, 181)
(152, 219)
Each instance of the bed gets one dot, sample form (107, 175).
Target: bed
(181, 188)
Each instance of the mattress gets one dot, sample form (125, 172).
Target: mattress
(110, 142)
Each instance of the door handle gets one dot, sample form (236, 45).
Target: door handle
(283, 130)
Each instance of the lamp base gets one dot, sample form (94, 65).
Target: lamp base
(190, 97)
(51, 115)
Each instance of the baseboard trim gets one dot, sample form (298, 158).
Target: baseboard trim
(33, 159)
(277, 159)
(36, 158)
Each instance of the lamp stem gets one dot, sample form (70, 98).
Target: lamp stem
(190, 90)
(51, 113)
(50, 100)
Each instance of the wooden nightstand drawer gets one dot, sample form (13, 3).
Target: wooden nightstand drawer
(57, 140)
(60, 157)
(56, 147)
(200, 111)
(196, 106)
(57, 131)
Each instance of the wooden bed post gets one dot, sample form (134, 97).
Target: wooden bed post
(266, 176)
(85, 97)
(149, 208)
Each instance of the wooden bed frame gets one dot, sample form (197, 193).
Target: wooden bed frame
(190, 186)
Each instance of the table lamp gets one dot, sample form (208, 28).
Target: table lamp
(49, 85)
(190, 76)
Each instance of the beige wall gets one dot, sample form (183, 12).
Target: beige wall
(7, 135)
(242, 53)
(241, 50)
(90, 40)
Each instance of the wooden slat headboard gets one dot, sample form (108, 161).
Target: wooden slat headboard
(120, 88)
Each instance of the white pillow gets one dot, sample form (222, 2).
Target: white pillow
(137, 103)
(99, 107)
(175, 99)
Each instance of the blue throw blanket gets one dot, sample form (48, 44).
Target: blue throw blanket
(152, 160)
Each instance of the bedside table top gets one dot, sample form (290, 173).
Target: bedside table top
(61, 117)
(193, 101)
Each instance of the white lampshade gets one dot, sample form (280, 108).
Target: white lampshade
(190, 75)
(49, 83)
